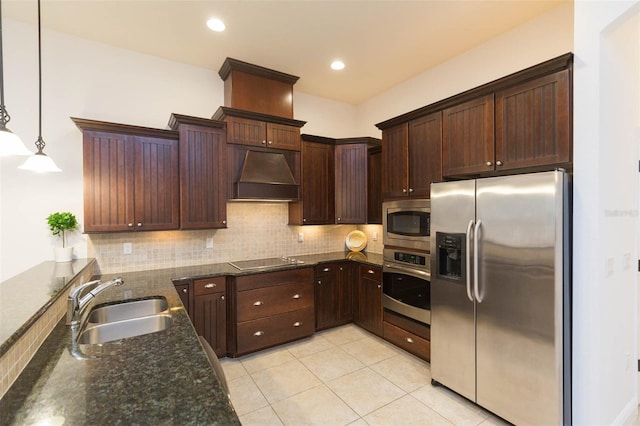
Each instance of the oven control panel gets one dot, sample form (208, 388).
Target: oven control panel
(411, 258)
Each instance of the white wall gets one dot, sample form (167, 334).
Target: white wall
(542, 38)
(606, 116)
(85, 79)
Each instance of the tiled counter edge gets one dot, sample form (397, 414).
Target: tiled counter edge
(16, 357)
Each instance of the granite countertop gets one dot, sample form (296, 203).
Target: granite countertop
(158, 378)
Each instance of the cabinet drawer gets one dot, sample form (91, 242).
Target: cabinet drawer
(208, 286)
(372, 272)
(408, 341)
(249, 282)
(265, 332)
(263, 302)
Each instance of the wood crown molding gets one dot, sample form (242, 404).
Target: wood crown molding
(371, 142)
(548, 67)
(223, 112)
(105, 126)
(176, 119)
(231, 64)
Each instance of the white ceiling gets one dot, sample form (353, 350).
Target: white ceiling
(382, 42)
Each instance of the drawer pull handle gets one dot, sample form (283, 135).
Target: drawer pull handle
(296, 296)
(370, 271)
(409, 340)
(258, 303)
(258, 333)
(297, 324)
(326, 269)
(210, 285)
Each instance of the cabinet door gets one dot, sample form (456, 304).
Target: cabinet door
(346, 278)
(327, 303)
(318, 202)
(184, 293)
(157, 191)
(533, 123)
(425, 154)
(374, 188)
(245, 131)
(468, 137)
(395, 162)
(281, 136)
(210, 320)
(108, 166)
(370, 301)
(203, 177)
(351, 183)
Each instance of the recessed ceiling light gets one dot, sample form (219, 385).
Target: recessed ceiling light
(337, 65)
(216, 24)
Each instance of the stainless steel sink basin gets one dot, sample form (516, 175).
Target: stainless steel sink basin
(116, 330)
(128, 310)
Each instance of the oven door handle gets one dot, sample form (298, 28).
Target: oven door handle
(424, 275)
(468, 261)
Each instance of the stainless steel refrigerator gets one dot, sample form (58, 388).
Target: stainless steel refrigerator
(500, 294)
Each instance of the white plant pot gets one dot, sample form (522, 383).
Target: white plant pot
(63, 254)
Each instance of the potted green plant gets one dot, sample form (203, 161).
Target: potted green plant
(59, 224)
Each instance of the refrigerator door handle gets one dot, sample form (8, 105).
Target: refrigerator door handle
(468, 260)
(476, 249)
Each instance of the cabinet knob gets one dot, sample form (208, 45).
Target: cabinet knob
(297, 324)
(404, 190)
(341, 268)
(130, 225)
(222, 297)
(270, 143)
(258, 303)
(498, 163)
(139, 224)
(185, 291)
(410, 189)
(304, 220)
(379, 285)
(209, 285)
(296, 296)
(370, 271)
(326, 269)
(319, 282)
(409, 340)
(489, 164)
(264, 142)
(258, 333)
(224, 222)
(339, 219)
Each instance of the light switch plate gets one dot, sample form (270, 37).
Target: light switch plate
(209, 242)
(127, 248)
(300, 237)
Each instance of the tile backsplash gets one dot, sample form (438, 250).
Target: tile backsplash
(255, 231)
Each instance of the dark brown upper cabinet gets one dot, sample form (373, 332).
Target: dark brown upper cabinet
(130, 177)
(260, 130)
(254, 88)
(533, 123)
(519, 123)
(351, 183)
(468, 145)
(374, 185)
(203, 172)
(411, 157)
(317, 206)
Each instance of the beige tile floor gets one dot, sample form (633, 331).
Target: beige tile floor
(343, 376)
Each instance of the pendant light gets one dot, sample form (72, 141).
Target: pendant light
(10, 144)
(40, 162)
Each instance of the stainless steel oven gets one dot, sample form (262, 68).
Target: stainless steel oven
(407, 223)
(406, 282)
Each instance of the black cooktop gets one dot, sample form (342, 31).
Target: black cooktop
(244, 265)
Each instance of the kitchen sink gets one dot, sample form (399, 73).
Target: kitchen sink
(110, 331)
(128, 310)
(125, 319)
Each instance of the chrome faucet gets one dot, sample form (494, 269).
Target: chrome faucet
(76, 303)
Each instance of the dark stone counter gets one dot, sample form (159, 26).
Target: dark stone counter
(158, 378)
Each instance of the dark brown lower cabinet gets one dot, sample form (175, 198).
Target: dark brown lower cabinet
(369, 297)
(334, 294)
(210, 312)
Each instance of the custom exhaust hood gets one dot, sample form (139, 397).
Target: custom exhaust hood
(265, 176)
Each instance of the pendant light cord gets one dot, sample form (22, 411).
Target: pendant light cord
(4, 115)
(40, 142)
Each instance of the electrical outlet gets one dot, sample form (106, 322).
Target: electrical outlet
(128, 294)
(300, 237)
(375, 235)
(610, 266)
(209, 242)
(127, 248)
(626, 261)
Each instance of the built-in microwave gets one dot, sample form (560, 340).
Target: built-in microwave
(407, 223)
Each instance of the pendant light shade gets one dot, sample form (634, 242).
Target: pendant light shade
(10, 144)
(39, 162)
